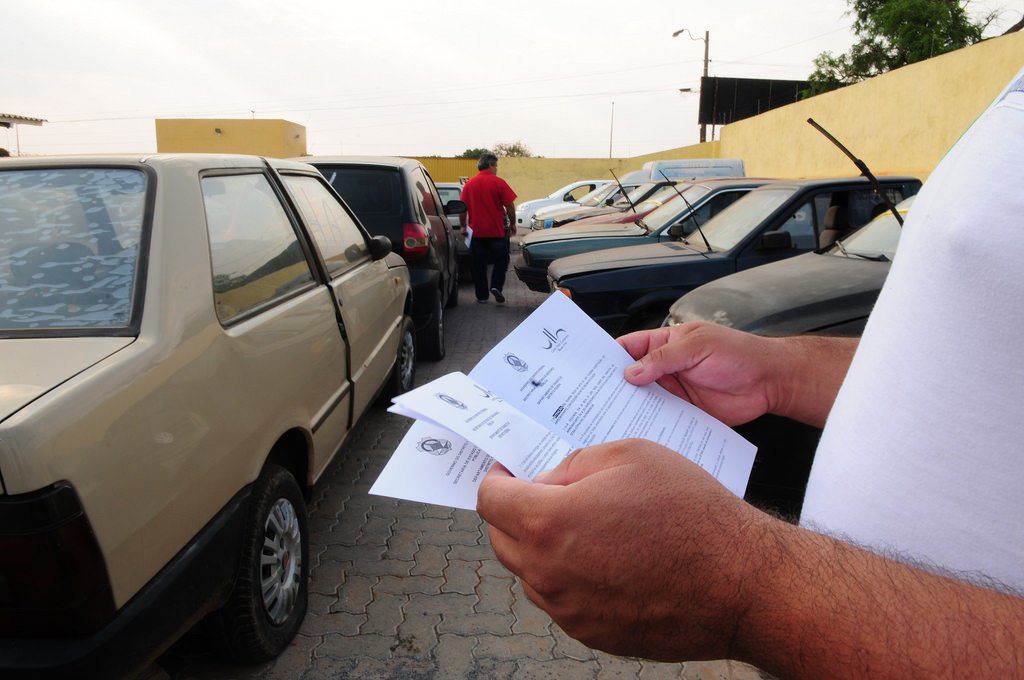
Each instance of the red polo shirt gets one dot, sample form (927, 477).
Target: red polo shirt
(486, 196)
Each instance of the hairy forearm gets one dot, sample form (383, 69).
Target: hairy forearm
(808, 371)
(819, 607)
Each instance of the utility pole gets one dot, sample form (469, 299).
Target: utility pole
(707, 41)
(611, 131)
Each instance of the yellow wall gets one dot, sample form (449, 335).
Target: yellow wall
(272, 138)
(901, 122)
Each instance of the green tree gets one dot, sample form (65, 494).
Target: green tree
(473, 153)
(514, 149)
(894, 33)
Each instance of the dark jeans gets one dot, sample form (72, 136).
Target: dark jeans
(485, 251)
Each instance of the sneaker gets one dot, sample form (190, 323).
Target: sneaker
(497, 295)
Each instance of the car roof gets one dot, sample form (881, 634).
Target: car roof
(197, 160)
(857, 179)
(389, 161)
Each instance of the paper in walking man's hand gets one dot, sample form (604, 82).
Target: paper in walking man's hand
(554, 384)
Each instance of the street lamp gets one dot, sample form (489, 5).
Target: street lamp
(706, 39)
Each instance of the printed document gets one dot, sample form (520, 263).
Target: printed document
(554, 384)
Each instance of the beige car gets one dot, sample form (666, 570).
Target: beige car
(185, 342)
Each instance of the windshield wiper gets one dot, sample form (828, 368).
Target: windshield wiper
(874, 258)
(693, 213)
(622, 189)
(862, 166)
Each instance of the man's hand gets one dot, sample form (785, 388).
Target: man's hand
(631, 549)
(737, 376)
(636, 551)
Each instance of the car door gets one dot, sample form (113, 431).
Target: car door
(425, 193)
(281, 350)
(370, 297)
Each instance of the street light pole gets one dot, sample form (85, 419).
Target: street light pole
(707, 41)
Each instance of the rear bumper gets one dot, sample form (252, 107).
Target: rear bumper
(196, 582)
(426, 286)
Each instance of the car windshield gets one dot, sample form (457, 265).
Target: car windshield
(660, 198)
(881, 236)
(597, 196)
(732, 225)
(671, 210)
(69, 247)
(634, 196)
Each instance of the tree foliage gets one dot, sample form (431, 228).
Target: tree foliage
(473, 153)
(514, 149)
(894, 33)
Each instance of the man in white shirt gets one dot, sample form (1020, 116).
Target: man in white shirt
(910, 558)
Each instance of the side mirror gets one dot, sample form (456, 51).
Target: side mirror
(677, 230)
(380, 246)
(567, 198)
(454, 207)
(775, 240)
(609, 201)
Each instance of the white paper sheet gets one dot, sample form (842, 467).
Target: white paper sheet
(469, 410)
(553, 384)
(433, 465)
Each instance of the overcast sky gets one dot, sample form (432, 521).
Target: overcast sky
(398, 76)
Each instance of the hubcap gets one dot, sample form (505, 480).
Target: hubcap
(281, 561)
(407, 359)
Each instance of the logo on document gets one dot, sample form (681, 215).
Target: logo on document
(434, 446)
(451, 401)
(516, 363)
(555, 339)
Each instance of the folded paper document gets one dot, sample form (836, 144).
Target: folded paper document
(554, 384)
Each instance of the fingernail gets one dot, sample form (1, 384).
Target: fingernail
(634, 369)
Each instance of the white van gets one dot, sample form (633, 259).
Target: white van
(687, 168)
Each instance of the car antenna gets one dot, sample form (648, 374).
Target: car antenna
(623, 190)
(693, 213)
(862, 166)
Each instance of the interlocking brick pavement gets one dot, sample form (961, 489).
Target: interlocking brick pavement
(406, 590)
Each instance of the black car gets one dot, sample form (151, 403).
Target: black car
(396, 197)
(626, 289)
(827, 292)
(703, 200)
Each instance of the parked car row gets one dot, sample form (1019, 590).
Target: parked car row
(743, 224)
(185, 343)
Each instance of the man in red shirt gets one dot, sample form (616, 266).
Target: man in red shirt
(490, 215)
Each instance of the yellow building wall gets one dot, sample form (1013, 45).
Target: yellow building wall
(448, 169)
(272, 138)
(902, 122)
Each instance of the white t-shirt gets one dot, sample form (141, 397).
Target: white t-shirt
(923, 453)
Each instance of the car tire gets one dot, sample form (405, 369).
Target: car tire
(252, 627)
(430, 339)
(453, 294)
(403, 375)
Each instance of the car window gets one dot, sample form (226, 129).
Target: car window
(69, 247)
(374, 194)
(866, 205)
(434, 197)
(800, 226)
(709, 209)
(255, 254)
(427, 199)
(598, 195)
(335, 232)
(449, 194)
(670, 211)
(736, 222)
(580, 191)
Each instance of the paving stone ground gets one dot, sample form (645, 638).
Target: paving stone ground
(402, 590)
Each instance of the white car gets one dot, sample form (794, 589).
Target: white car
(570, 193)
